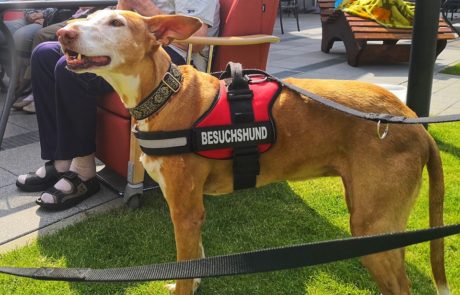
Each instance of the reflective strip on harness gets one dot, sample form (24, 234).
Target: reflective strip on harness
(206, 138)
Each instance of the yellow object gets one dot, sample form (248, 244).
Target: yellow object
(389, 13)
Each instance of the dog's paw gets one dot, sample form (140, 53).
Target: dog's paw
(171, 288)
(196, 285)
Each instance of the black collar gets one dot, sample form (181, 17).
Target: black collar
(170, 84)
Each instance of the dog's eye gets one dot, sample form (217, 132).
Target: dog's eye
(116, 23)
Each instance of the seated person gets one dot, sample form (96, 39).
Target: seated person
(23, 31)
(48, 33)
(66, 108)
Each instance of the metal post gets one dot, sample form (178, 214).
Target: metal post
(423, 55)
(12, 82)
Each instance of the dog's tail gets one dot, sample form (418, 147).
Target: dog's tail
(436, 208)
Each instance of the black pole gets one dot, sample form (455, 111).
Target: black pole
(9, 99)
(423, 55)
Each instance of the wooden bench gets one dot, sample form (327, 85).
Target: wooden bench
(366, 41)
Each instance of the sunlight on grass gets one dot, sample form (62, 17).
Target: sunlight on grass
(275, 215)
(453, 70)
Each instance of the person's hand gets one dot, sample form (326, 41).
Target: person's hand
(35, 17)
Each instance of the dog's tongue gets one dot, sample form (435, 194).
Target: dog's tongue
(87, 61)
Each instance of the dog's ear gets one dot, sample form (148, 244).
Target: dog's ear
(166, 28)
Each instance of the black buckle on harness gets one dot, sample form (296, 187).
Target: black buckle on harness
(241, 105)
(240, 94)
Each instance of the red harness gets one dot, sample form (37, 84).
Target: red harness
(219, 114)
(237, 126)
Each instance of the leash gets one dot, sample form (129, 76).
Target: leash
(243, 263)
(376, 117)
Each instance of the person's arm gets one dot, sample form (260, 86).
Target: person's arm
(202, 32)
(143, 7)
(33, 16)
(204, 10)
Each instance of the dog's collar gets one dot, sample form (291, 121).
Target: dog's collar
(169, 85)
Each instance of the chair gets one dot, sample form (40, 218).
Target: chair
(356, 32)
(451, 6)
(246, 27)
(289, 6)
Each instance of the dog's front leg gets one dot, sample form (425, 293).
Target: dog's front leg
(182, 180)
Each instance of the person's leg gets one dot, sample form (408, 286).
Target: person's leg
(12, 26)
(5, 58)
(42, 35)
(47, 34)
(43, 62)
(76, 96)
(23, 38)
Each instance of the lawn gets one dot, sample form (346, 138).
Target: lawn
(276, 215)
(453, 70)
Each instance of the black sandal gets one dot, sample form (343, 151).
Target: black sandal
(81, 190)
(35, 183)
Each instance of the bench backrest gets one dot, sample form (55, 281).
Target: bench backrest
(367, 29)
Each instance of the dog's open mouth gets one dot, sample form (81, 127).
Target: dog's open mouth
(78, 61)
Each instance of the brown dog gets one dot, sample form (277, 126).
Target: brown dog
(381, 177)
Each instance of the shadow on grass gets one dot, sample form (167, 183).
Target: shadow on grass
(268, 217)
(448, 147)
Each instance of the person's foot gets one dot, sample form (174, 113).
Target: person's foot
(69, 191)
(39, 180)
(30, 108)
(20, 104)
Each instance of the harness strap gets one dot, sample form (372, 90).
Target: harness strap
(193, 140)
(245, 159)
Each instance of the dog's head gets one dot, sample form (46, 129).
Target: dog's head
(109, 40)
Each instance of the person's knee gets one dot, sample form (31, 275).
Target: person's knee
(60, 69)
(44, 51)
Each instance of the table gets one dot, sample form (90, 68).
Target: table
(10, 98)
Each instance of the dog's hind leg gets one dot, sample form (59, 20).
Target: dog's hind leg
(381, 203)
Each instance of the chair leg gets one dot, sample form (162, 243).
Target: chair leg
(296, 14)
(2, 74)
(281, 18)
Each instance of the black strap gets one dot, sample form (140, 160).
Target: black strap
(376, 117)
(161, 143)
(243, 263)
(245, 159)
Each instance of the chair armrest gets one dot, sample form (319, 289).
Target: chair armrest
(224, 41)
(231, 41)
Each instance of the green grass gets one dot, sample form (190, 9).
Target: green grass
(453, 70)
(276, 215)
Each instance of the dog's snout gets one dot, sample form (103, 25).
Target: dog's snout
(66, 35)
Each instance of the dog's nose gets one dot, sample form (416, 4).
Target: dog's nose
(66, 36)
